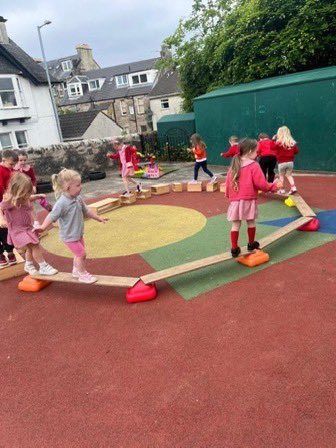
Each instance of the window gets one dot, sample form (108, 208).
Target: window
(143, 128)
(123, 108)
(139, 79)
(67, 65)
(7, 93)
(131, 110)
(165, 103)
(122, 80)
(143, 78)
(5, 141)
(140, 105)
(21, 138)
(94, 84)
(74, 90)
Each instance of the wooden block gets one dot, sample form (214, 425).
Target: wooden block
(127, 200)
(160, 189)
(194, 186)
(211, 187)
(144, 194)
(222, 187)
(13, 271)
(177, 187)
(105, 205)
(103, 280)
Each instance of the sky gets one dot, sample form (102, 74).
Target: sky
(118, 31)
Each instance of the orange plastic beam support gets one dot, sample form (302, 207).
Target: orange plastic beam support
(255, 259)
(29, 284)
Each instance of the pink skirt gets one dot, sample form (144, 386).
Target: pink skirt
(20, 238)
(245, 209)
(126, 171)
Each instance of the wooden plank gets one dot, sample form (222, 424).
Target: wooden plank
(274, 195)
(103, 280)
(302, 205)
(283, 231)
(211, 187)
(14, 270)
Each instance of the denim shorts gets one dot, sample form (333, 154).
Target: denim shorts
(286, 168)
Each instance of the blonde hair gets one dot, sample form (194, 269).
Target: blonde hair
(284, 137)
(19, 189)
(196, 140)
(246, 146)
(63, 179)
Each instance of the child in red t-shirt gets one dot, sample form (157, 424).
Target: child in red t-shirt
(267, 156)
(286, 150)
(234, 148)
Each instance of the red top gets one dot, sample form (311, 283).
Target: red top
(251, 180)
(28, 171)
(129, 151)
(199, 153)
(285, 154)
(5, 174)
(232, 151)
(266, 147)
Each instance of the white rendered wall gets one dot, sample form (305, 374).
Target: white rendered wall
(175, 106)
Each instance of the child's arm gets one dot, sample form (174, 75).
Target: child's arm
(230, 153)
(37, 197)
(113, 155)
(3, 222)
(96, 217)
(46, 223)
(260, 182)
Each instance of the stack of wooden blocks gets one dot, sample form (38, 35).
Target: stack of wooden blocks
(105, 205)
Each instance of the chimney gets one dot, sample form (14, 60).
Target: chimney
(3, 31)
(86, 59)
(165, 53)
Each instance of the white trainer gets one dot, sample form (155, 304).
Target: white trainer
(75, 273)
(193, 181)
(47, 269)
(86, 278)
(213, 179)
(282, 191)
(30, 269)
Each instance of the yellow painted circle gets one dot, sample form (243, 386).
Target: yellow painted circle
(132, 230)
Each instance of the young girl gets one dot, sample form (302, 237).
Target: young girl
(286, 149)
(70, 210)
(125, 155)
(234, 148)
(26, 169)
(267, 156)
(199, 151)
(243, 181)
(17, 206)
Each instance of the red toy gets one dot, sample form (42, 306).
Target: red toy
(311, 226)
(141, 292)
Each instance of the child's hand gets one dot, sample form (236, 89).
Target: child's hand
(37, 228)
(103, 220)
(3, 223)
(279, 184)
(189, 149)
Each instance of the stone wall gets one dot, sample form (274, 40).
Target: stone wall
(83, 156)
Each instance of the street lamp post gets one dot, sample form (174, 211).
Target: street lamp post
(48, 22)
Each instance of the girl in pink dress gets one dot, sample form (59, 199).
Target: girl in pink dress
(17, 208)
(243, 181)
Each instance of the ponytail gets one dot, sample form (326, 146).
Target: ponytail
(62, 180)
(235, 169)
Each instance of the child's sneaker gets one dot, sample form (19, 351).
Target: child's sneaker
(127, 194)
(30, 268)
(123, 194)
(75, 273)
(47, 269)
(139, 187)
(235, 252)
(253, 246)
(11, 258)
(282, 191)
(213, 179)
(86, 278)
(3, 261)
(293, 189)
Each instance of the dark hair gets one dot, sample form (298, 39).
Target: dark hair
(262, 135)
(246, 146)
(22, 153)
(9, 154)
(196, 140)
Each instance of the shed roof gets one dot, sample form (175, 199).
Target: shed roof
(75, 124)
(177, 117)
(278, 81)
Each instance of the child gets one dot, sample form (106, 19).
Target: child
(199, 151)
(267, 156)
(22, 167)
(243, 181)
(125, 154)
(70, 210)
(9, 159)
(234, 148)
(17, 207)
(286, 149)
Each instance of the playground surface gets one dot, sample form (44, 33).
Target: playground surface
(227, 356)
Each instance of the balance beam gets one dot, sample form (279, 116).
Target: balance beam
(302, 205)
(283, 231)
(103, 280)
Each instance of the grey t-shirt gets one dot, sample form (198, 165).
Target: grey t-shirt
(69, 212)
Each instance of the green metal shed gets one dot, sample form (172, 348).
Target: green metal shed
(176, 129)
(305, 102)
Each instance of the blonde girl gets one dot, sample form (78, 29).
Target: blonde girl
(69, 210)
(17, 208)
(286, 150)
(199, 151)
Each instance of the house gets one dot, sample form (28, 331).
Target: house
(87, 125)
(65, 68)
(165, 97)
(122, 90)
(26, 112)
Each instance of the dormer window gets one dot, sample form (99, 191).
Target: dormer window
(74, 90)
(94, 84)
(140, 79)
(121, 80)
(67, 65)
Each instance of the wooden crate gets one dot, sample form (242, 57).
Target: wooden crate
(211, 187)
(105, 205)
(144, 194)
(194, 186)
(222, 188)
(177, 187)
(127, 200)
(160, 189)
(13, 271)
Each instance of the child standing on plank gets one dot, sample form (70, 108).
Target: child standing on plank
(125, 154)
(243, 181)
(234, 148)
(267, 156)
(9, 159)
(286, 150)
(70, 210)
(199, 151)
(17, 207)
(24, 168)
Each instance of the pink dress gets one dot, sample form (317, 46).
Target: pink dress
(125, 171)
(20, 224)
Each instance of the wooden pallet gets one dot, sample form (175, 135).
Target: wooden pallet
(211, 187)
(160, 189)
(144, 194)
(13, 271)
(177, 187)
(127, 200)
(105, 205)
(194, 187)
(222, 187)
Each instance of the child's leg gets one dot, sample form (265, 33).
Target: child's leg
(263, 165)
(125, 182)
(45, 268)
(79, 271)
(205, 168)
(79, 264)
(129, 179)
(196, 169)
(235, 233)
(289, 176)
(270, 169)
(251, 230)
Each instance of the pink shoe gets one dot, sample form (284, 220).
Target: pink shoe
(3, 261)
(75, 273)
(86, 278)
